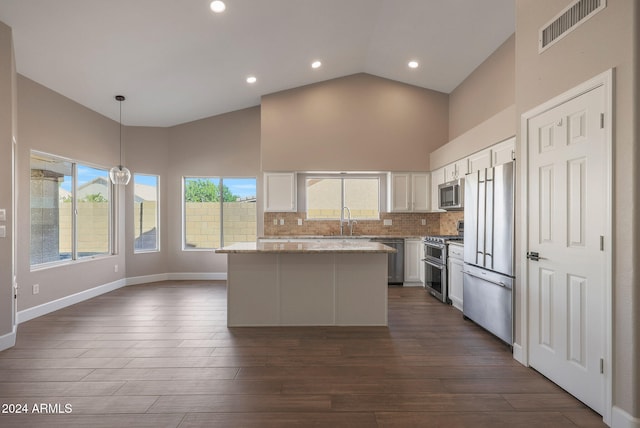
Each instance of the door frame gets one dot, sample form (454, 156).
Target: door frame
(521, 350)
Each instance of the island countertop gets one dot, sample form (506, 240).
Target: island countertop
(326, 246)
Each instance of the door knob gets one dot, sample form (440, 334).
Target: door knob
(533, 256)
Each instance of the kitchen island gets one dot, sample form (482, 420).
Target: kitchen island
(330, 282)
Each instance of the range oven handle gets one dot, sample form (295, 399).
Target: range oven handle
(435, 265)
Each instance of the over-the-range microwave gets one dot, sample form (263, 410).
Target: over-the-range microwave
(451, 195)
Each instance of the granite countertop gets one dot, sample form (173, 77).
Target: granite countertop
(326, 246)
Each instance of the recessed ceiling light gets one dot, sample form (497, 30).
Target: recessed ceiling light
(217, 6)
(316, 64)
(413, 64)
(252, 79)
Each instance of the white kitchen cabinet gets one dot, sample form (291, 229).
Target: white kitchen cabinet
(280, 191)
(480, 160)
(456, 169)
(437, 178)
(400, 196)
(413, 265)
(421, 192)
(455, 265)
(409, 192)
(503, 152)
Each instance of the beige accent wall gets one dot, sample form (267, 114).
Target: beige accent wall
(54, 124)
(7, 131)
(488, 90)
(146, 152)
(608, 40)
(221, 146)
(482, 109)
(359, 122)
(497, 128)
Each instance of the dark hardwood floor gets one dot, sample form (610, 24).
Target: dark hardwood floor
(160, 355)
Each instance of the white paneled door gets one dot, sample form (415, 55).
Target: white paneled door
(568, 206)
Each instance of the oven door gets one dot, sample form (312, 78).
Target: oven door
(436, 253)
(435, 279)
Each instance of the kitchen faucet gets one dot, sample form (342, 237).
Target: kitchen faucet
(349, 221)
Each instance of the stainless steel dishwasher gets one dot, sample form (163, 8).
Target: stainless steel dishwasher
(396, 260)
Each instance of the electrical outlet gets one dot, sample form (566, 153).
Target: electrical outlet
(387, 222)
(36, 288)
(275, 221)
(299, 222)
(424, 221)
(281, 222)
(115, 268)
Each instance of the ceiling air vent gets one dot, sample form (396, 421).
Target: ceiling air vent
(568, 20)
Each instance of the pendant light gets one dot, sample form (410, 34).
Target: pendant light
(120, 174)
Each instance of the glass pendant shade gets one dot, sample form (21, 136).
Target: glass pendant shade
(120, 175)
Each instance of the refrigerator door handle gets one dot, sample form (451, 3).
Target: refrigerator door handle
(490, 211)
(501, 284)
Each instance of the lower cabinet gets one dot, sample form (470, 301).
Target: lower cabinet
(455, 267)
(413, 267)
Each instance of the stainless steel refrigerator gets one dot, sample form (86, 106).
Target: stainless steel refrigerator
(489, 249)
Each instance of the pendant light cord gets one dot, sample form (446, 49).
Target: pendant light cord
(120, 134)
(120, 99)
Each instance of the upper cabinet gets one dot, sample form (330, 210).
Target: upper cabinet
(421, 191)
(409, 192)
(503, 152)
(497, 154)
(456, 170)
(280, 191)
(480, 160)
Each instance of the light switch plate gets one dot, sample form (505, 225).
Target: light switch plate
(3, 214)
(3, 231)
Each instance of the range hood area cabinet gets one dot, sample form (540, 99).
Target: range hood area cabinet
(280, 192)
(409, 192)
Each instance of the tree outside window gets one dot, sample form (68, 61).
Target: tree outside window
(219, 211)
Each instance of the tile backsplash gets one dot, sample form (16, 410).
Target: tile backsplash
(402, 224)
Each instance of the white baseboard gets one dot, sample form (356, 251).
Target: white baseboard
(518, 354)
(8, 340)
(145, 279)
(45, 308)
(622, 419)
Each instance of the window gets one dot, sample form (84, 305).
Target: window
(146, 213)
(326, 196)
(70, 210)
(219, 211)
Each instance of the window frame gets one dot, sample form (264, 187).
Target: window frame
(303, 198)
(157, 249)
(220, 184)
(112, 227)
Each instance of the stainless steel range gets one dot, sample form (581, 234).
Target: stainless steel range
(435, 264)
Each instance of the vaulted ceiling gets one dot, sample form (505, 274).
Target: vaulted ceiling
(177, 61)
